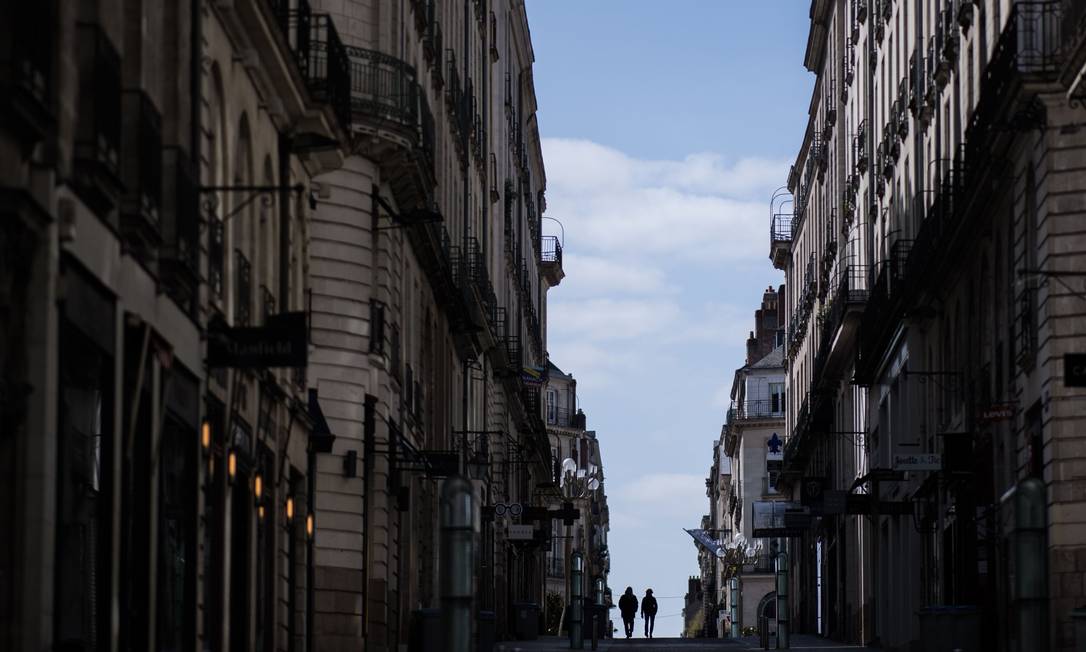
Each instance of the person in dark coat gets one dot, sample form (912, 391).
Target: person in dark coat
(627, 604)
(648, 612)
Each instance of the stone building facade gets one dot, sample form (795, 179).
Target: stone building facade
(429, 278)
(929, 233)
(157, 165)
(272, 270)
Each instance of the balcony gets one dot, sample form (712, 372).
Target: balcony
(327, 69)
(840, 321)
(179, 258)
(97, 154)
(27, 69)
(780, 232)
(757, 410)
(142, 166)
(565, 417)
(432, 45)
(387, 104)
(550, 260)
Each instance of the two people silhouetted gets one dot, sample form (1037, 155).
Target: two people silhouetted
(628, 604)
(648, 612)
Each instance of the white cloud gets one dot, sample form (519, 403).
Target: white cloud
(595, 275)
(666, 490)
(600, 319)
(699, 208)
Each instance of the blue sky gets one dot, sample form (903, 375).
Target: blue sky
(666, 127)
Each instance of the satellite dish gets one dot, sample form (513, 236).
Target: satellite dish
(569, 466)
(593, 484)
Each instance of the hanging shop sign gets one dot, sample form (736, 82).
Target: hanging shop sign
(997, 412)
(533, 375)
(520, 532)
(918, 461)
(778, 519)
(281, 342)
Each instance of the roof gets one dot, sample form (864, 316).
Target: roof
(774, 360)
(553, 370)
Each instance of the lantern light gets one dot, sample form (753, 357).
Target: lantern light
(290, 508)
(258, 486)
(232, 465)
(205, 435)
(310, 525)
(260, 512)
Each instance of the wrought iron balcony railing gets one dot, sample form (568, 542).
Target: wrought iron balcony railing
(243, 289)
(179, 259)
(552, 250)
(767, 408)
(216, 256)
(142, 166)
(780, 227)
(328, 69)
(27, 67)
(99, 117)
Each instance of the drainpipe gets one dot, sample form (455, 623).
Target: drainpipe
(576, 601)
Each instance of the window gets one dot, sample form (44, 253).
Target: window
(552, 408)
(776, 398)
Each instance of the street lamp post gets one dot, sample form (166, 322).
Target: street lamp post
(576, 603)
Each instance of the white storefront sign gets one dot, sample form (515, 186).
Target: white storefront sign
(918, 461)
(520, 532)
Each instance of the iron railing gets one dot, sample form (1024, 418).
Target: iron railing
(180, 256)
(142, 160)
(780, 227)
(216, 256)
(551, 250)
(29, 64)
(758, 408)
(98, 120)
(243, 289)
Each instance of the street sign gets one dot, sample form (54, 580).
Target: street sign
(1074, 369)
(281, 342)
(520, 532)
(918, 461)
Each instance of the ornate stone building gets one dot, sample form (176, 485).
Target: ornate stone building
(929, 233)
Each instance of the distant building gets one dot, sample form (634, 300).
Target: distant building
(570, 440)
(747, 464)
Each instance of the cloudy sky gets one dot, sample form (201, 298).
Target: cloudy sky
(666, 127)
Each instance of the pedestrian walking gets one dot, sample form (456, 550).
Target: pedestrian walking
(648, 612)
(627, 604)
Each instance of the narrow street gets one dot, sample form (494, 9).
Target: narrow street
(554, 644)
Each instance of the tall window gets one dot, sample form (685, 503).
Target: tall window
(776, 398)
(552, 407)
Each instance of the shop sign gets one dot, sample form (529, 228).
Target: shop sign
(918, 461)
(778, 519)
(997, 412)
(520, 532)
(282, 342)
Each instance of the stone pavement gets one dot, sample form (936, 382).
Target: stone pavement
(553, 644)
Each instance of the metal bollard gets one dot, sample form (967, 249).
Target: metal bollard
(457, 557)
